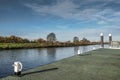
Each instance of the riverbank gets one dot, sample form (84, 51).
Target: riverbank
(4, 46)
(101, 64)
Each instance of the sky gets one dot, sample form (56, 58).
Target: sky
(33, 19)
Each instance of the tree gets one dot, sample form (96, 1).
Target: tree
(76, 40)
(13, 39)
(26, 41)
(51, 37)
(1, 39)
(85, 41)
(40, 40)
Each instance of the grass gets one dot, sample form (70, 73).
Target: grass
(102, 64)
(4, 46)
(20, 45)
(27, 45)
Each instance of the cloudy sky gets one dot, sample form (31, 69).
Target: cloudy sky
(34, 19)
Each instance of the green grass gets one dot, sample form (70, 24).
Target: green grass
(102, 64)
(20, 45)
(36, 45)
(28, 45)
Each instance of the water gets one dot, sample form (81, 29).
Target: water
(31, 58)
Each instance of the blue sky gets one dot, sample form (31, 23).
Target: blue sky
(35, 19)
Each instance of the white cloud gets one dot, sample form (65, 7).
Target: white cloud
(62, 9)
(101, 22)
(67, 9)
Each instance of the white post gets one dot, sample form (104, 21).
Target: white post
(93, 48)
(17, 68)
(78, 52)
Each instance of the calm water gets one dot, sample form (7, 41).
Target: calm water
(35, 57)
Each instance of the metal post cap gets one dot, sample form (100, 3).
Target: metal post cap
(110, 34)
(101, 34)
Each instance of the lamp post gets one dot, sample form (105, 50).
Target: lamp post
(101, 40)
(110, 40)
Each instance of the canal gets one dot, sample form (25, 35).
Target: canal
(32, 58)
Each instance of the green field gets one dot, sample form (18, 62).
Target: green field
(102, 64)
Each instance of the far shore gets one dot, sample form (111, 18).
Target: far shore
(7, 46)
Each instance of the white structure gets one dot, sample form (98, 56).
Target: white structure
(17, 68)
(112, 44)
(101, 34)
(115, 45)
(94, 48)
(79, 52)
(110, 34)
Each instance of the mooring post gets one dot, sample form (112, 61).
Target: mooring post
(110, 40)
(17, 68)
(78, 52)
(101, 40)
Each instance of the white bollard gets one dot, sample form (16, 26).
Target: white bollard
(79, 52)
(93, 48)
(17, 68)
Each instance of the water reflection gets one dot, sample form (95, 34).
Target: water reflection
(76, 49)
(51, 54)
(84, 49)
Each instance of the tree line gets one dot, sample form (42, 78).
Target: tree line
(13, 39)
(50, 39)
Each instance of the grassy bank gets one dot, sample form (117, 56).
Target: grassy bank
(35, 45)
(20, 45)
(102, 64)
